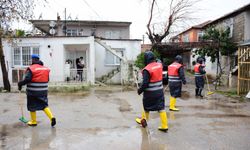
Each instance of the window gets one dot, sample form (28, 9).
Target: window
(112, 59)
(72, 32)
(200, 35)
(26, 56)
(229, 24)
(17, 56)
(22, 55)
(112, 34)
(186, 38)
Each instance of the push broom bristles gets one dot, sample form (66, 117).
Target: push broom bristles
(22, 119)
(209, 92)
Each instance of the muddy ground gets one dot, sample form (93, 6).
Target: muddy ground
(104, 118)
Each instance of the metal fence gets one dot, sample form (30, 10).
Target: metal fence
(77, 75)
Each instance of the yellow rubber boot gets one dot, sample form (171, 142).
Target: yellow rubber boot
(32, 122)
(143, 119)
(50, 116)
(172, 104)
(164, 121)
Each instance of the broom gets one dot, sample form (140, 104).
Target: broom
(143, 121)
(209, 91)
(22, 118)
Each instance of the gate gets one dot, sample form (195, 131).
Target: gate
(243, 69)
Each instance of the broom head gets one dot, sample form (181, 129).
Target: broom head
(210, 93)
(22, 119)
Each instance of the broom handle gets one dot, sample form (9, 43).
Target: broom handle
(21, 105)
(207, 83)
(136, 81)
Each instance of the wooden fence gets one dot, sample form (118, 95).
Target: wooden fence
(243, 69)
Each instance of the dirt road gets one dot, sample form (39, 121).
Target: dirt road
(104, 119)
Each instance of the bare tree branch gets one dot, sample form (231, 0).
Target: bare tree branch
(179, 10)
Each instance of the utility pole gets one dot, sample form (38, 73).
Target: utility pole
(143, 39)
(65, 24)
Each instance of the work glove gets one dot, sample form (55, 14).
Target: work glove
(20, 85)
(139, 91)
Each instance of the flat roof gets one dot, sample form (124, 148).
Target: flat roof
(84, 22)
(76, 37)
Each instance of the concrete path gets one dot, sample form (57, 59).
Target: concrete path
(103, 119)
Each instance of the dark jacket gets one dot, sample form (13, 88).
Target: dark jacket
(199, 80)
(152, 100)
(176, 87)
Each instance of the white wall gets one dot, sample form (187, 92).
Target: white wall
(54, 57)
(210, 66)
(56, 61)
(132, 49)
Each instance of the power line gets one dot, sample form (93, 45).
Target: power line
(92, 8)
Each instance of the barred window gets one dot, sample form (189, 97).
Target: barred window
(26, 56)
(22, 55)
(17, 56)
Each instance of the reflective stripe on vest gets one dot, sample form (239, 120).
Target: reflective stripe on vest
(174, 79)
(154, 86)
(35, 86)
(198, 75)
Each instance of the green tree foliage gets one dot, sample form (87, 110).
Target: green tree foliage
(220, 37)
(140, 59)
(20, 33)
(222, 45)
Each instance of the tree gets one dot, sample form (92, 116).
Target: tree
(140, 59)
(225, 47)
(12, 10)
(179, 12)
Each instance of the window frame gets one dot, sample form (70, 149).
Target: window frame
(115, 58)
(21, 60)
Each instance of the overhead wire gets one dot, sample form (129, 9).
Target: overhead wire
(92, 9)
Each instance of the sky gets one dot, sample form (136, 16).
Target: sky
(135, 11)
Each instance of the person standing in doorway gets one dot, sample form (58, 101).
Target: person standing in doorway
(152, 89)
(36, 79)
(80, 65)
(176, 78)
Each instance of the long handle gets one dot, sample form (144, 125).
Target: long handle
(207, 83)
(21, 105)
(136, 81)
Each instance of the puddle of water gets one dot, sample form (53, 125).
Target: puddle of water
(5, 110)
(185, 95)
(203, 115)
(19, 125)
(3, 135)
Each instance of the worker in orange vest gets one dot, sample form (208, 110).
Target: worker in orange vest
(152, 89)
(199, 72)
(176, 78)
(36, 79)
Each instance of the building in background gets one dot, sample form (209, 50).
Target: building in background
(104, 46)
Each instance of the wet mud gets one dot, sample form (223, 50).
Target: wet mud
(104, 118)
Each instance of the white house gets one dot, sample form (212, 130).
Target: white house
(59, 52)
